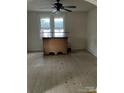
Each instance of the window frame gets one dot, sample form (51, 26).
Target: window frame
(42, 33)
(61, 33)
(52, 26)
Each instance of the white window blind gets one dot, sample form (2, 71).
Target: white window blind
(45, 27)
(58, 27)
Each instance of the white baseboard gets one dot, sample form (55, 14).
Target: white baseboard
(92, 52)
(78, 49)
(34, 51)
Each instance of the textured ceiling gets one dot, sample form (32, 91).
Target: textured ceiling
(92, 2)
(45, 5)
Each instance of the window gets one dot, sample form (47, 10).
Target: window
(45, 27)
(58, 27)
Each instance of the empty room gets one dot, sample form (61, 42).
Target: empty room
(61, 46)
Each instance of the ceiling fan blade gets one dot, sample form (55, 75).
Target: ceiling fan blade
(67, 10)
(54, 11)
(69, 6)
(53, 7)
(58, 6)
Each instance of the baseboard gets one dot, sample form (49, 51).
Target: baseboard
(89, 50)
(78, 50)
(30, 51)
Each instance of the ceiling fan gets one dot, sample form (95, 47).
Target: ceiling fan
(59, 6)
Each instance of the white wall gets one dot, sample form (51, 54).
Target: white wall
(92, 31)
(33, 31)
(75, 24)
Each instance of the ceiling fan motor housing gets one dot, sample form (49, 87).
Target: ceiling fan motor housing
(58, 6)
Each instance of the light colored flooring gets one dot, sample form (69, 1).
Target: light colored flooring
(72, 73)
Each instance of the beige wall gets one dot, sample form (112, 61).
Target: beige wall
(33, 31)
(75, 24)
(92, 32)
